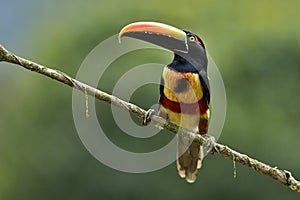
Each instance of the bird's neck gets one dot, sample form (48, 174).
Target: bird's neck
(182, 65)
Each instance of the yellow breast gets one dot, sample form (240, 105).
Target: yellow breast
(172, 80)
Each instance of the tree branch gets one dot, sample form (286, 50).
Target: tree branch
(283, 176)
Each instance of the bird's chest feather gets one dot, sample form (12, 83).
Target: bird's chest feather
(183, 87)
(182, 93)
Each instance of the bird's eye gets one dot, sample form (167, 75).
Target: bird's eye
(192, 38)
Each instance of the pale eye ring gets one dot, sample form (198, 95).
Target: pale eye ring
(192, 38)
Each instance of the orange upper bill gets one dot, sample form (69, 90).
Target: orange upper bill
(153, 27)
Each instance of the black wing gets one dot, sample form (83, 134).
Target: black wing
(205, 86)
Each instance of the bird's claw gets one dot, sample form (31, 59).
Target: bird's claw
(209, 144)
(148, 115)
(213, 151)
(287, 177)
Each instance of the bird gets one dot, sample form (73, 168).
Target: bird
(184, 88)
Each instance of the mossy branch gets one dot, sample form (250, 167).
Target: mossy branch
(283, 176)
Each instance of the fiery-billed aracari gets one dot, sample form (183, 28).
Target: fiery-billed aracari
(184, 91)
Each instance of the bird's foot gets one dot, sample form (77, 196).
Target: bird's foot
(148, 115)
(209, 144)
(213, 151)
(288, 177)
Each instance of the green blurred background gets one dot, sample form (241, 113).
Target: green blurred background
(256, 45)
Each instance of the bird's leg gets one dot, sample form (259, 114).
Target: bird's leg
(148, 115)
